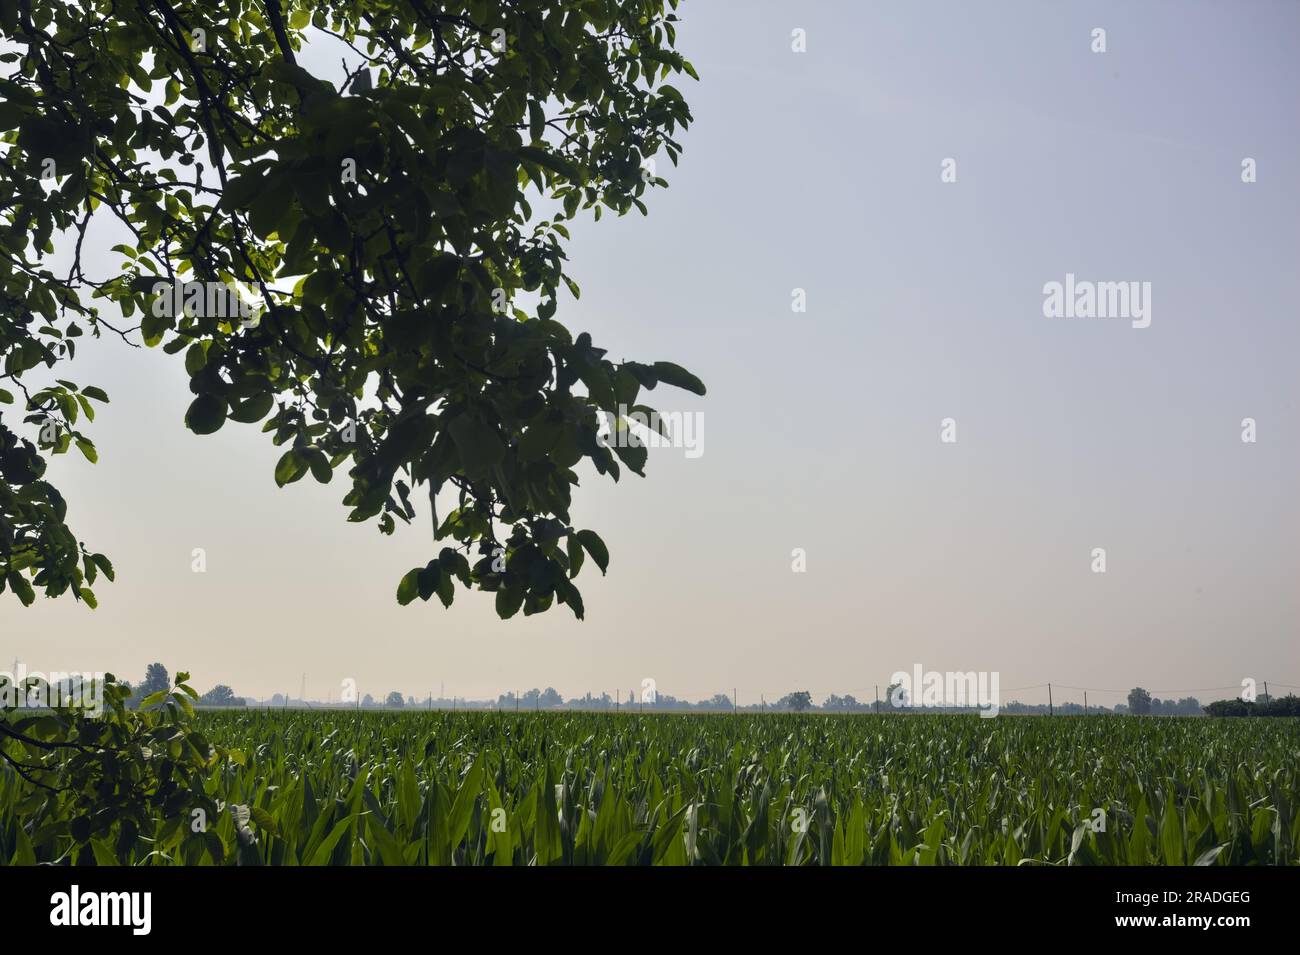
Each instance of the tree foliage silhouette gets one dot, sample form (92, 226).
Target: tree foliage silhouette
(393, 290)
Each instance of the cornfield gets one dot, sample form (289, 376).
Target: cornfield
(474, 788)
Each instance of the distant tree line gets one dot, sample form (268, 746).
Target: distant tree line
(157, 680)
(1140, 702)
(1288, 705)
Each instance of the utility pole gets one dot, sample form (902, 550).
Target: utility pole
(877, 699)
(1050, 711)
(735, 700)
(1266, 691)
(1085, 702)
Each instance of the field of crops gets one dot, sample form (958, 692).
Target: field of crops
(337, 788)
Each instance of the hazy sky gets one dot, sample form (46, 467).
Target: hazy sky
(821, 171)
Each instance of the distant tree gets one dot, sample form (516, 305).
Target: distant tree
(846, 702)
(895, 695)
(220, 695)
(394, 701)
(719, 701)
(1236, 707)
(1288, 705)
(549, 698)
(1139, 701)
(797, 701)
(367, 700)
(156, 679)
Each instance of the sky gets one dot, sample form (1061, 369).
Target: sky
(823, 171)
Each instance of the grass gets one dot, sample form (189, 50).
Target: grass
(475, 788)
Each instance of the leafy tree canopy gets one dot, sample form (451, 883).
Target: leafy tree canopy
(798, 701)
(220, 695)
(112, 781)
(1139, 701)
(155, 679)
(392, 289)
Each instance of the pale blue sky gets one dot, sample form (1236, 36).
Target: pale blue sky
(821, 171)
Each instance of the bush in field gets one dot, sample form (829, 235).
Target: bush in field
(121, 786)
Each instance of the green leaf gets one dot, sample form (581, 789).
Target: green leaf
(471, 788)
(326, 849)
(196, 357)
(23, 853)
(509, 600)
(1171, 835)
(1211, 856)
(549, 160)
(265, 821)
(206, 414)
(479, 444)
(409, 586)
(595, 548)
(319, 465)
(21, 588)
(446, 589)
(242, 190)
(678, 376)
(103, 853)
(429, 578)
(292, 465)
(104, 565)
(573, 549)
(252, 409)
